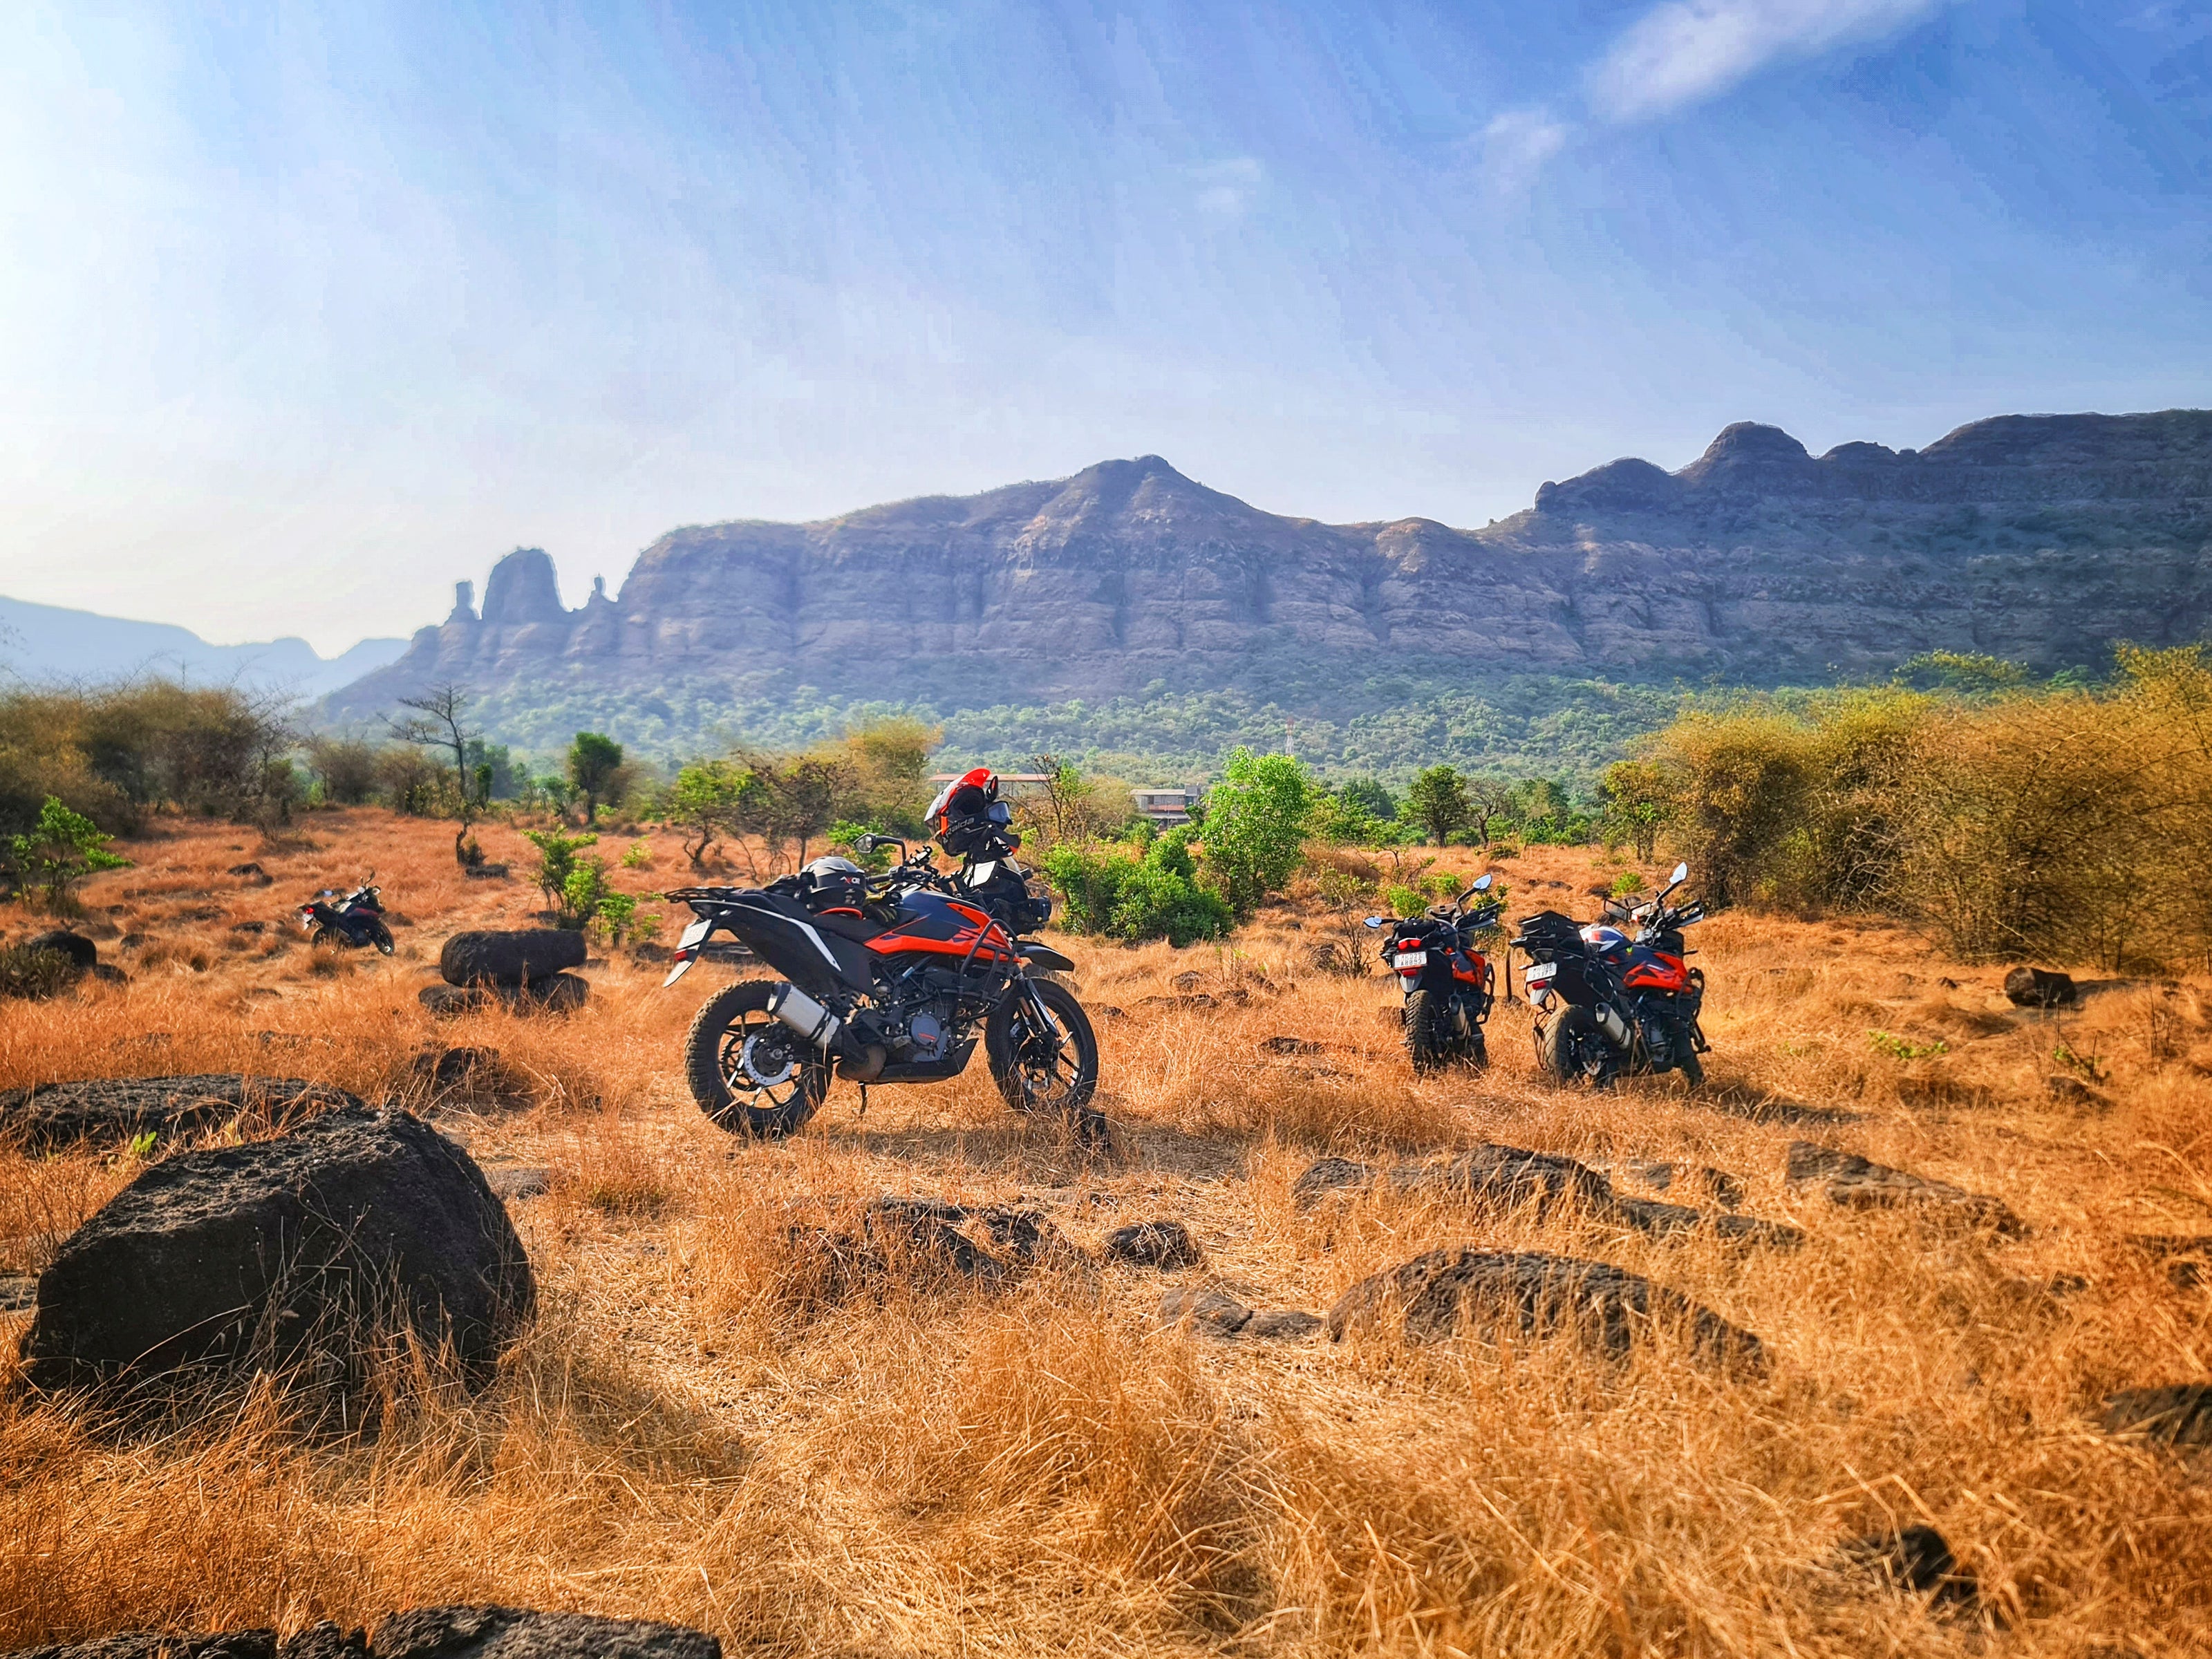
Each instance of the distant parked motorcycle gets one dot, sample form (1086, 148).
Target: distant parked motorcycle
(1610, 1003)
(353, 918)
(1449, 981)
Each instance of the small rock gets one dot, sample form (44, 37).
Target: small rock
(991, 1245)
(251, 874)
(2072, 1091)
(485, 872)
(106, 973)
(1106, 1011)
(249, 928)
(1331, 1176)
(2179, 1414)
(158, 1645)
(2040, 988)
(2188, 1260)
(1860, 1183)
(1282, 1325)
(1205, 1308)
(1189, 979)
(512, 1182)
(1915, 1558)
(1166, 1245)
(18, 1291)
(1436, 1296)
(1288, 1045)
(651, 953)
(1193, 1000)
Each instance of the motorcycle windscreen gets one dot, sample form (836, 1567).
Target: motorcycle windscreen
(784, 936)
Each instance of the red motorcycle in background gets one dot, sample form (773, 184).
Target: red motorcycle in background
(1611, 1004)
(355, 918)
(1450, 984)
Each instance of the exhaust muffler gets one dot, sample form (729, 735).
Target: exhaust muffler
(806, 1016)
(1610, 1022)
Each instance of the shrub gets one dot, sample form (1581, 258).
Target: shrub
(1255, 822)
(1438, 802)
(556, 862)
(1104, 891)
(60, 849)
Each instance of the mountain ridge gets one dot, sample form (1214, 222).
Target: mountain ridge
(2042, 538)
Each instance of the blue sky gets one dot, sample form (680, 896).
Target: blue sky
(307, 310)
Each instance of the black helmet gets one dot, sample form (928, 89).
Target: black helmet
(834, 886)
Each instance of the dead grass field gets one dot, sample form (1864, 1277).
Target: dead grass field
(955, 1472)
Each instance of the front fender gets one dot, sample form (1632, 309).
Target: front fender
(1043, 955)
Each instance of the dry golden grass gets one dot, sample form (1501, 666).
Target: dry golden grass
(693, 1432)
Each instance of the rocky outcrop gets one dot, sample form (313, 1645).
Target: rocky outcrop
(1438, 1296)
(458, 1632)
(1859, 1183)
(2040, 538)
(288, 1251)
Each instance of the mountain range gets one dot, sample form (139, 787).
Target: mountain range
(47, 643)
(1039, 614)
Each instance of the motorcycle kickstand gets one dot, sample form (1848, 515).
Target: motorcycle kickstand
(864, 1100)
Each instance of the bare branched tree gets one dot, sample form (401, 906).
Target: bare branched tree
(439, 722)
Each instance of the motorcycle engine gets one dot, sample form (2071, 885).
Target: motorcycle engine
(925, 1033)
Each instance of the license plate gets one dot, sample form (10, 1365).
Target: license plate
(1411, 959)
(696, 931)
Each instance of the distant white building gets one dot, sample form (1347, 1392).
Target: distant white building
(1165, 807)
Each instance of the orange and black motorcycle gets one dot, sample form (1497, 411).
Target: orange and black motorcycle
(887, 979)
(1450, 984)
(1610, 1003)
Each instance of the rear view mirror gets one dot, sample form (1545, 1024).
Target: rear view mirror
(1482, 883)
(1682, 874)
(1374, 921)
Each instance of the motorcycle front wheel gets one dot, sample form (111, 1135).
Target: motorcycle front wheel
(1048, 1065)
(381, 936)
(750, 1073)
(1571, 1049)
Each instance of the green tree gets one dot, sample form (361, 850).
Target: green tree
(1437, 802)
(1636, 804)
(1488, 799)
(1369, 795)
(709, 800)
(594, 761)
(1256, 824)
(62, 848)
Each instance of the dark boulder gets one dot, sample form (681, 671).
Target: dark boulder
(469, 1077)
(104, 1110)
(2179, 1414)
(1918, 1559)
(520, 1633)
(1329, 1176)
(1436, 1296)
(516, 958)
(1154, 1244)
(1859, 1183)
(33, 975)
(81, 952)
(2040, 988)
(296, 1249)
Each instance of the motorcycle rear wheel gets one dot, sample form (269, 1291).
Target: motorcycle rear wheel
(1425, 1046)
(1692, 1068)
(715, 1056)
(1046, 1070)
(1569, 1047)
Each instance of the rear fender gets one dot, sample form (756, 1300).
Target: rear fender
(781, 933)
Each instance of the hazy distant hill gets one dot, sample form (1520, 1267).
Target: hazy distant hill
(1132, 611)
(42, 643)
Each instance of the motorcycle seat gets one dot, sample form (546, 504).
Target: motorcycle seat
(858, 929)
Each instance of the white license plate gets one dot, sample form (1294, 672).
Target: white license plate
(1411, 959)
(697, 931)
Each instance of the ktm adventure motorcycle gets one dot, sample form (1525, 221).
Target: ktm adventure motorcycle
(1611, 1003)
(1448, 980)
(887, 979)
(355, 918)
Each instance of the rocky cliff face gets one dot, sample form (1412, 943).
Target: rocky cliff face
(2041, 538)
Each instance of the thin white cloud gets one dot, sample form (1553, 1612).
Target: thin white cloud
(1228, 188)
(1516, 144)
(1684, 50)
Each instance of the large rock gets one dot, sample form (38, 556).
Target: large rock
(493, 1632)
(284, 1250)
(82, 952)
(455, 1632)
(1859, 1183)
(1499, 1179)
(516, 958)
(1436, 1296)
(104, 1110)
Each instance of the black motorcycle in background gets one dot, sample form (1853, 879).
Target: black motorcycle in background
(1449, 983)
(353, 918)
(1610, 1003)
